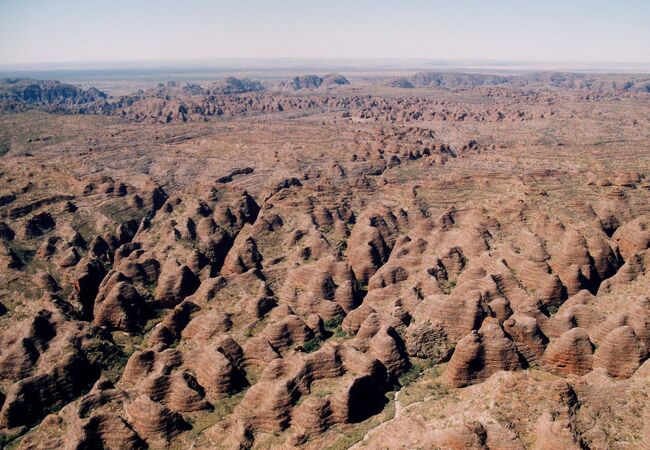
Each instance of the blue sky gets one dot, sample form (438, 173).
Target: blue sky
(38, 31)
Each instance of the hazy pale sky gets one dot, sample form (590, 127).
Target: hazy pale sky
(54, 31)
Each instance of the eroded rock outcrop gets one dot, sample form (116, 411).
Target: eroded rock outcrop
(154, 422)
(175, 283)
(482, 353)
(32, 397)
(571, 353)
(620, 353)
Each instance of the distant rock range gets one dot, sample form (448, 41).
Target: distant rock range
(441, 79)
(232, 85)
(175, 89)
(314, 82)
(21, 94)
(537, 79)
(188, 102)
(17, 94)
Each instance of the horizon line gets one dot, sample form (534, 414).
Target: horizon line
(72, 64)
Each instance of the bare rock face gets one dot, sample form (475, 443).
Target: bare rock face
(314, 82)
(387, 346)
(554, 433)
(482, 353)
(154, 422)
(574, 263)
(207, 290)
(646, 428)
(353, 321)
(8, 258)
(139, 266)
(459, 313)
(120, 308)
(571, 353)
(37, 225)
(606, 261)
(32, 397)
(175, 283)
(371, 241)
(286, 332)
(325, 287)
(185, 394)
(160, 376)
(93, 421)
(428, 341)
(527, 336)
(179, 391)
(633, 268)
(22, 345)
(574, 313)
(143, 363)
(313, 416)
(620, 353)
(242, 257)
(467, 435)
(206, 326)
(46, 282)
(88, 276)
(170, 329)
(216, 374)
(50, 246)
(269, 403)
(109, 431)
(637, 318)
(633, 237)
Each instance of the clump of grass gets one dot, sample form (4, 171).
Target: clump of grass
(438, 390)
(253, 374)
(552, 309)
(150, 288)
(362, 287)
(222, 408)
(410, 375)
(10, 440)
(330, 324)
(311, 345)
(156, 317)
(255, 328)
(334, 327)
